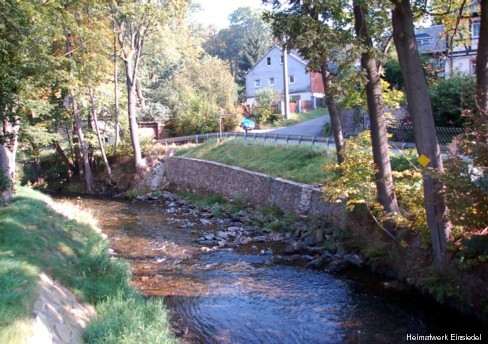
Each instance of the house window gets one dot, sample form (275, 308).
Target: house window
(271, 81)
(281, 59)
(292, 79)
(257, 83)
(475, 30)
(473, 67)
(268, 61)
(423, 39)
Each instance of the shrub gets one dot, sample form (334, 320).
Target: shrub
(451, 98)
(4, 181)
(358, 185)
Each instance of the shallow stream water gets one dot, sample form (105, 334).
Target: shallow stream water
(242, 295)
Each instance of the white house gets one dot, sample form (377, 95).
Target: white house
(268, 73)
(450, 57)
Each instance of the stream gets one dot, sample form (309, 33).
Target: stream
(242, 294)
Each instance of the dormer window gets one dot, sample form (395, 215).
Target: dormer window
(423, 39)
(268, 61)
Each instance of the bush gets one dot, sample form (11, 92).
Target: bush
(268, 96)
(4, 181)
(451, 98)
(263, 115)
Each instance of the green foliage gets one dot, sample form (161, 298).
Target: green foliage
(200, 92)
(393, 73)
(451, 99)
(243, 43)
(196, 116)
(357, 185)
(358, 182)
(268, 96)
(36, 235)
(302, 165)
(356, 96)
(441, 285)
(266, 114)
(466, 194)
(5, 181)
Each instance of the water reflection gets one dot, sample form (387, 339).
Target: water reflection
(229, 296)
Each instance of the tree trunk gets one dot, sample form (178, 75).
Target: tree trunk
(133, 55)
(100, 141)
(37, 161)
(131, 106)
(335, 118)
(78, 160)
(140, 97)
(420, 110)
(90, 183)
(116, 93)
(8, 151)
(481, 119)
(374, 94)
(67, 164)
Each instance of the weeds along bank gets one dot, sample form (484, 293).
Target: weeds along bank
(46, 243)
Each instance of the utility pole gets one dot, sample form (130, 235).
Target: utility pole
(285, 79)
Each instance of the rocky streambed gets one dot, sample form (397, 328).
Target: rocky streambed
(301, 242)
(233, 274)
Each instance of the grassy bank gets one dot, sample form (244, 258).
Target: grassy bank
(302, 165)
(37, 235)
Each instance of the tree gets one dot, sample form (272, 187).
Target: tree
(18, 73)
(199, 90)
(420, 110)
(242, 44)
(482, 76)
(316, 30)
(374, 94)
(136, 21)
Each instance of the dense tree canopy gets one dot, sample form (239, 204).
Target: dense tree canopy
(243, 43)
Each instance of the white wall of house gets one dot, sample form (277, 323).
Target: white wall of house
(268, 73)
(462, 65)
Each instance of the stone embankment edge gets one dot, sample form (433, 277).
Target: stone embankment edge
(59, 317)
(231, 182)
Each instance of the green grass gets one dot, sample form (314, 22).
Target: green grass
(60, 241)
(302, 165)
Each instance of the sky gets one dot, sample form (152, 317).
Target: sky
(216, 12)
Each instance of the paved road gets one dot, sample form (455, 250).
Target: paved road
(313, 127)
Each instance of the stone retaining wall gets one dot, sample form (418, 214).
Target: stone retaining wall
(230, 182)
